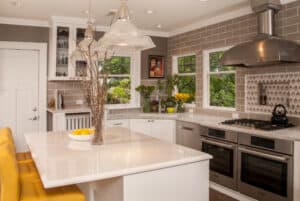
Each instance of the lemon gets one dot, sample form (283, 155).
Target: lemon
(76, 132)
(85, 132)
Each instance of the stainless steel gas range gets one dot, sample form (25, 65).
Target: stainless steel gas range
(259, 167)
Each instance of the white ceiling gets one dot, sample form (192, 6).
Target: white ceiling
(173, 15)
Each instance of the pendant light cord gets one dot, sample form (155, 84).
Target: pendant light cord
(90, 10)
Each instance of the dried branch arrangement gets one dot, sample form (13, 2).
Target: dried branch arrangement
(94, 84)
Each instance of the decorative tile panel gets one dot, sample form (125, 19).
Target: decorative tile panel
(280, 88)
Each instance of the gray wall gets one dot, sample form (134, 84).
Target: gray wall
(161, 49)
(41, 34)
(24, 33)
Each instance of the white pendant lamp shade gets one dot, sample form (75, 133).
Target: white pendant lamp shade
(89, 47)
(123, 33)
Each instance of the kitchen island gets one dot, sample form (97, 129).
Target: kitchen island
(128, 167)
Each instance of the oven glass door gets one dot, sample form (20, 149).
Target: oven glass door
(223, 158)
(265, 171)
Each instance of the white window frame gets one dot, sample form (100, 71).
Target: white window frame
(175, 71)
(135, 79)
(206, 80)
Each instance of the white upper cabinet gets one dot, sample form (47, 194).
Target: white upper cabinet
(64, 37)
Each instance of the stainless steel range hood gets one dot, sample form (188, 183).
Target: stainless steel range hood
(266, 49)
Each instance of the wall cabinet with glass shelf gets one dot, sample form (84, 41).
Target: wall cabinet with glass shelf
(64, 37)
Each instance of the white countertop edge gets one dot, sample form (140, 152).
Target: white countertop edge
(124, 172)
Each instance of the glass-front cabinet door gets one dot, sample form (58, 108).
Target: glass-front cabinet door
(64, 39)
(62, 51)
(80, 66)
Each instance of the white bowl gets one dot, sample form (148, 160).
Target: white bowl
(81, 137)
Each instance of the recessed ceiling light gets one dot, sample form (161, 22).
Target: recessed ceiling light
(149, 12)
(159, 26)
(203, 0)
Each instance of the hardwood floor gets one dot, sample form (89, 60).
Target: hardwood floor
(217, 196)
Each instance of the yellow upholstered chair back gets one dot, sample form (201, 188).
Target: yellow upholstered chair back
(7, 138)
(9, 174)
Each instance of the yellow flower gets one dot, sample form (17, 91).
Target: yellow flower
(182, 97)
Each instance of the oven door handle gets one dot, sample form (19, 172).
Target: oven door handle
(218, 144)
(264, 155)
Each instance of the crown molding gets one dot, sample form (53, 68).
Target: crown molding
(24, 22)
(217, 19)
(287, 1)
(213, 20)
(82, 22)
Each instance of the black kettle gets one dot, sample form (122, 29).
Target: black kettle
(279, 115)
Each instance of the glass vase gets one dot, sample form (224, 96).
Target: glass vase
(98, 136)
(180, 108)
(146, 105)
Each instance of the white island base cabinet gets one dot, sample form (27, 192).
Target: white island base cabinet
(188, 182)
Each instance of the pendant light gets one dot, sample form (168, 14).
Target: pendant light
(123, 33)
(88, 49)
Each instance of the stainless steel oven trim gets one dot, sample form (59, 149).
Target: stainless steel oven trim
(220, 178)
(230, 136)
(220, 144)
(272, 156)
(259, 193)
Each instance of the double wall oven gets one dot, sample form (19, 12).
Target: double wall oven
(259, 167)
(222, 145)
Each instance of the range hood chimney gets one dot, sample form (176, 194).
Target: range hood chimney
(266, 49)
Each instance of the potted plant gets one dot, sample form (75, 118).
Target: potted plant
(160, 87)
(145, 92)
(171, 83)
(170, 104)
(181, 98)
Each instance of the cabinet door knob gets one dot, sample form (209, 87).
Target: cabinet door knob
(35, 118)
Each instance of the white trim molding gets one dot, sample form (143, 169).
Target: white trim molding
(212, 20)
(24, 22)
(175, 71)
(135, 60)
(206, 82)
(42, 49)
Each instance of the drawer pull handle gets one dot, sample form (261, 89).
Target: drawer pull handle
(117, 124)
(187, 128)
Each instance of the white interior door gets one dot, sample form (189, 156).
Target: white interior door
(19, 92)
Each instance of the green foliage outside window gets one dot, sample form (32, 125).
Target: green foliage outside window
(117, 66)
(215, 65)
(186, 81)
(187, 64)
(118, 90)
(187, 84)
(222, 90)
(118, 87)
(222, 85)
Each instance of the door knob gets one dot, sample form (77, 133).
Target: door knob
(34, 109)
(34, 118)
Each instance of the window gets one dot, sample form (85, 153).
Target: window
(185, 68)
(219, 81)
(122, 80)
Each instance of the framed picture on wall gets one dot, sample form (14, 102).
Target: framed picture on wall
(156, 66)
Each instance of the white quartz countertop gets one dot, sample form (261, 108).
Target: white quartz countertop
(62, 161)
(69, 110)
(212, 121)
